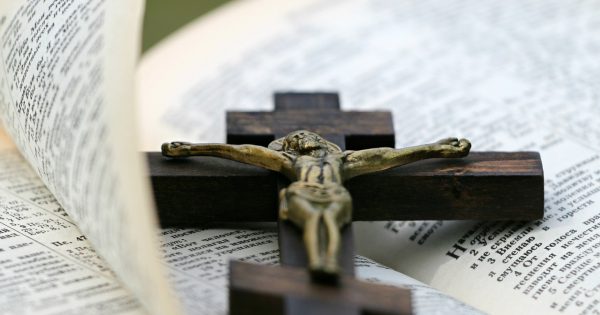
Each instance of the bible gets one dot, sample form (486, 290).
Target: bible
(78, 226)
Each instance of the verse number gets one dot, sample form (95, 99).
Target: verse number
(485, 258)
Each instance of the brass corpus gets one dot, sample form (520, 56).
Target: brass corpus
(316, 201)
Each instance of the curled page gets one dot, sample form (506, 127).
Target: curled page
(66, 96)
(48, 266)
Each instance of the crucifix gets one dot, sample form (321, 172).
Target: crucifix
(315, 210)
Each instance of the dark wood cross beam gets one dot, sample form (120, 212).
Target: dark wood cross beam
(317, 112)
(483, 186)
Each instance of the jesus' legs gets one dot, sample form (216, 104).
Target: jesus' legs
(303, 214)
(333, 244)
(335, 216)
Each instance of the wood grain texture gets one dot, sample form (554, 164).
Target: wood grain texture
(317, 112)
(306, 100)
(319, 121)
(198, 191)
(482, 186)
(256, 289)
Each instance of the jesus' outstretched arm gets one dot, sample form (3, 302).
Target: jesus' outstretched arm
(245, 153)
(378, 159)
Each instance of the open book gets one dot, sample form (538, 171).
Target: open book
(78, 232)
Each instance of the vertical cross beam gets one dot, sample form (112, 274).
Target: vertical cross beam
(250, 295)
(320, 113)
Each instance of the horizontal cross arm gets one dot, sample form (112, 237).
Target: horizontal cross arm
(200, 190)
(250, 295)
(319, 121)
(482, 186)
(369, 129)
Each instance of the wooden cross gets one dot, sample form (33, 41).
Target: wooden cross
(483, 186)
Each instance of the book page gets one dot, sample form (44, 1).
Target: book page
(47, 265)
(66, 95)
(425, 299)
(516, 76)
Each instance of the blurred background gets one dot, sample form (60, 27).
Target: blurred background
(164, 17)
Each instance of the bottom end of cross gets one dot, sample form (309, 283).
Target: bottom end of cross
(326, 276)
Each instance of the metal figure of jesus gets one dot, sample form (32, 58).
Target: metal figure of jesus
(316, 201)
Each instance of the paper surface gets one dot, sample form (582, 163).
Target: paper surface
(516, 75)
(47, 265)
(66, 95)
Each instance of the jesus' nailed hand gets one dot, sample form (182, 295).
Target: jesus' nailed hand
(316, 201)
